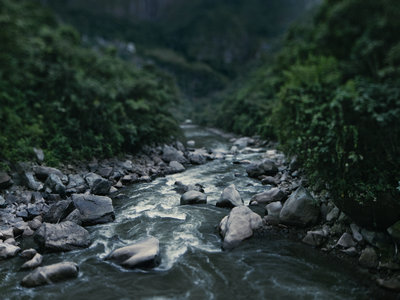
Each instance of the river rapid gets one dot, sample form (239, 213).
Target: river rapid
(193, 266)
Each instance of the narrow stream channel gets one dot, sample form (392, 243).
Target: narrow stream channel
(193, 265)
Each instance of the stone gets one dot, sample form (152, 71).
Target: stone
(352, 251)
(76, 184)
(230, 198)
(181, 188)
(58, 211)
(269, 180)
(131, 178)
(11, 241)
(28, 253)
(35, 223)
(171, 154)
(28, 232)
(105, 172)
(75, 217)
(273, 211)
(315, 238)
(143, 254)
(39, 154)
(90, 178)
(3, 202)
(65, 236)
(176, 167)
(113, 190)
(7, 233)
(272, 195)
(101, 186)
(55, 185)
(94, 209)
(197, 158)
(377, 239)
(243, 142)
(265, 167)
(8, 250)
(191, 143)
(333, 214)
(43, 172)
(394, 231)
(356, 233)
(30, 181)
(301, 209)
(51, 274)
(35, 262)
(239, 225)
(193, 197)
(5, 181)
(346, 241)
(390, 284)
(368, 258)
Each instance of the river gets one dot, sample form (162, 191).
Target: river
(193, 265)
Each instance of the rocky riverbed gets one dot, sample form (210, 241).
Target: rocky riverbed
(235, 192)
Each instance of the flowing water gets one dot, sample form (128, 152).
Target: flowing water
(193, 265)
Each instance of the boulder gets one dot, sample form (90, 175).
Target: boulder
(105, 172)
(377, 239)
(394, 231)
(239, 225)
(39, 154)
(243, 142)
(171, 154)
(51, 274)
(265, 167)
(191, 143)
(392, 284)
(43, 172)
(193, 197)
(75, 217)
(94, 209)
(101, 186)
(197, 158)
(28, 253)
(143, 254)
(5, 180)
(272, 195)
(230, 198)
(273, 211)
(65, 236)
(269, 180)
(35, 262)
(3, 202)
(35, 223)
(58, 211)
(181, 188)
(368, 258)
(55, 185)
(333, 214)
(301, 209)
(8, 250)
(90, 178)
(176, 167)
(315, 238)
(30, 182)
(76, 184)
(346, 241)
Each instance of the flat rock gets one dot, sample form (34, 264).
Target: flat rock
(193, 197)
(143, 254)
(239, 225)
(51, 274)
(272, 195)
(101, 186)
(35, 262)
(301, 209)
(65, 236)
(94, 209)
(230, 198)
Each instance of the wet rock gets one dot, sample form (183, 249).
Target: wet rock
(269, 180)
(230, 197)
(51, 274)
(30, 182)
(5, 180)
(143, 254)
(197, 158)
(131, 178)
(369, 258)
(58, 211)
(272, 195)
(193, 197)
(333, 214)
(239, 225)
(273, 211)
(75, 217)
(43, 172)
(76, 184)
(390, 284)
(55, 185)
(101, 186)
(265, 167)
(35, 262)
(301, 209)
(8, 250)
(171, 154)
(356, 233)
(65, 236)
(346, 241)
(176, 167)
(28, 253)
(181, 188)
(94, 209)
(315, 238)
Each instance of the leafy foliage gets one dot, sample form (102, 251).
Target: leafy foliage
(69, 100)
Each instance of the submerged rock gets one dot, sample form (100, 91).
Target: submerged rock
(230, 197)
(239, 225)
(193, 197)
(65, 236)
(301, 209)
(143, 254)
(94, 209)
(265, 167)
(51, 274)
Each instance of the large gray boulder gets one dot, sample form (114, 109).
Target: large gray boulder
(51, 274)
(230, 198)
(239, 225)
(197, 158)
(171, 154)
(76, 184)
(193, 197)
(8, 250)
(176, 167)
(43, 172)
(55, 185)
(143, 254)
(301, 209)
(94, 209)
(265, 167)
(30, 182)
(98, 185)
(65, 236)
(58, 211)
(272, 195)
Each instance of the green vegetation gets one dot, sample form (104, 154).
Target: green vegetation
(332, 97)
(69, 100)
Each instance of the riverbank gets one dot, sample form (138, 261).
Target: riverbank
(228, 164)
